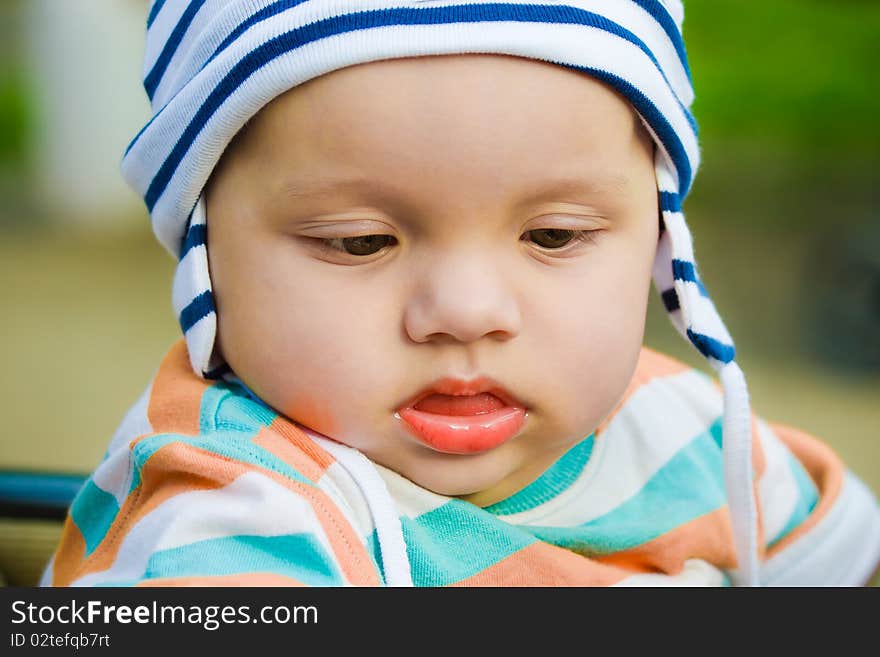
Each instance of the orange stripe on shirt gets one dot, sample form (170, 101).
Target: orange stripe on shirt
(291, 444)
(824, 467)
(69, 555)
(542, 564)
(238, 579)
(176, 395)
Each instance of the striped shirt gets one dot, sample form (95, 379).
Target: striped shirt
(204, 485)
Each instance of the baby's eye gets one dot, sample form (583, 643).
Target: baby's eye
(553, 238)
(362, 245)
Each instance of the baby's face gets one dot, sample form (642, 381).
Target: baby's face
(392, 224)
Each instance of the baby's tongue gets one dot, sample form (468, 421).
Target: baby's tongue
(484, 402)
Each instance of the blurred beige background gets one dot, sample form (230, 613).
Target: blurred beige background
(784, 212)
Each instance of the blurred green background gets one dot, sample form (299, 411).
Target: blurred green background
(785, 214)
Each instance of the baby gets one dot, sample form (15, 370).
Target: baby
(416, 245)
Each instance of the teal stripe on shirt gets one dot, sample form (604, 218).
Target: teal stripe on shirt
(375, 551)
(458, 540)
(299, 556)
(93, 511)
(689, 485)
(225, 408)
(556, 479)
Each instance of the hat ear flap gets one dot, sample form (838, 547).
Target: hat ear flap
(193, 296)
(676, 277)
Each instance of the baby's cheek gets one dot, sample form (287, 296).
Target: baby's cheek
(331, 391)
(594, 370)
(313, 412)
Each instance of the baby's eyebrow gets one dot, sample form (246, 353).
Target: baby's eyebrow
(323, 187)
(558, 188)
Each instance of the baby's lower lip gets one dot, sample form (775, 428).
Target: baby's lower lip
(482, 422)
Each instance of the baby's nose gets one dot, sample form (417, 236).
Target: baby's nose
(463, 297)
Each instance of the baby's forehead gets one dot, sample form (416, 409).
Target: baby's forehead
(449, 91)
(499, 120)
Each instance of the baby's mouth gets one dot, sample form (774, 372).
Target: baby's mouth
(484, 402)
(463, 423)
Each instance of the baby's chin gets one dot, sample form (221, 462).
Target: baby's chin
(481, 479)
(481, 493)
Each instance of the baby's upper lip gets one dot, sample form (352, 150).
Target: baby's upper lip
(461, 387)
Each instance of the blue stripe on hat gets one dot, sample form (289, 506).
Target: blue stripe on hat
(201, 306)
(670, 202)
(670, 300)
(151, 82)
(682, 270)
(712, 348)
(264, 13)
(288, 41)
(154, 11)
(658, 13)
(142, 131)
(195, 236)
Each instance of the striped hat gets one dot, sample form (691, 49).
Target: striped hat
(210, 65)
